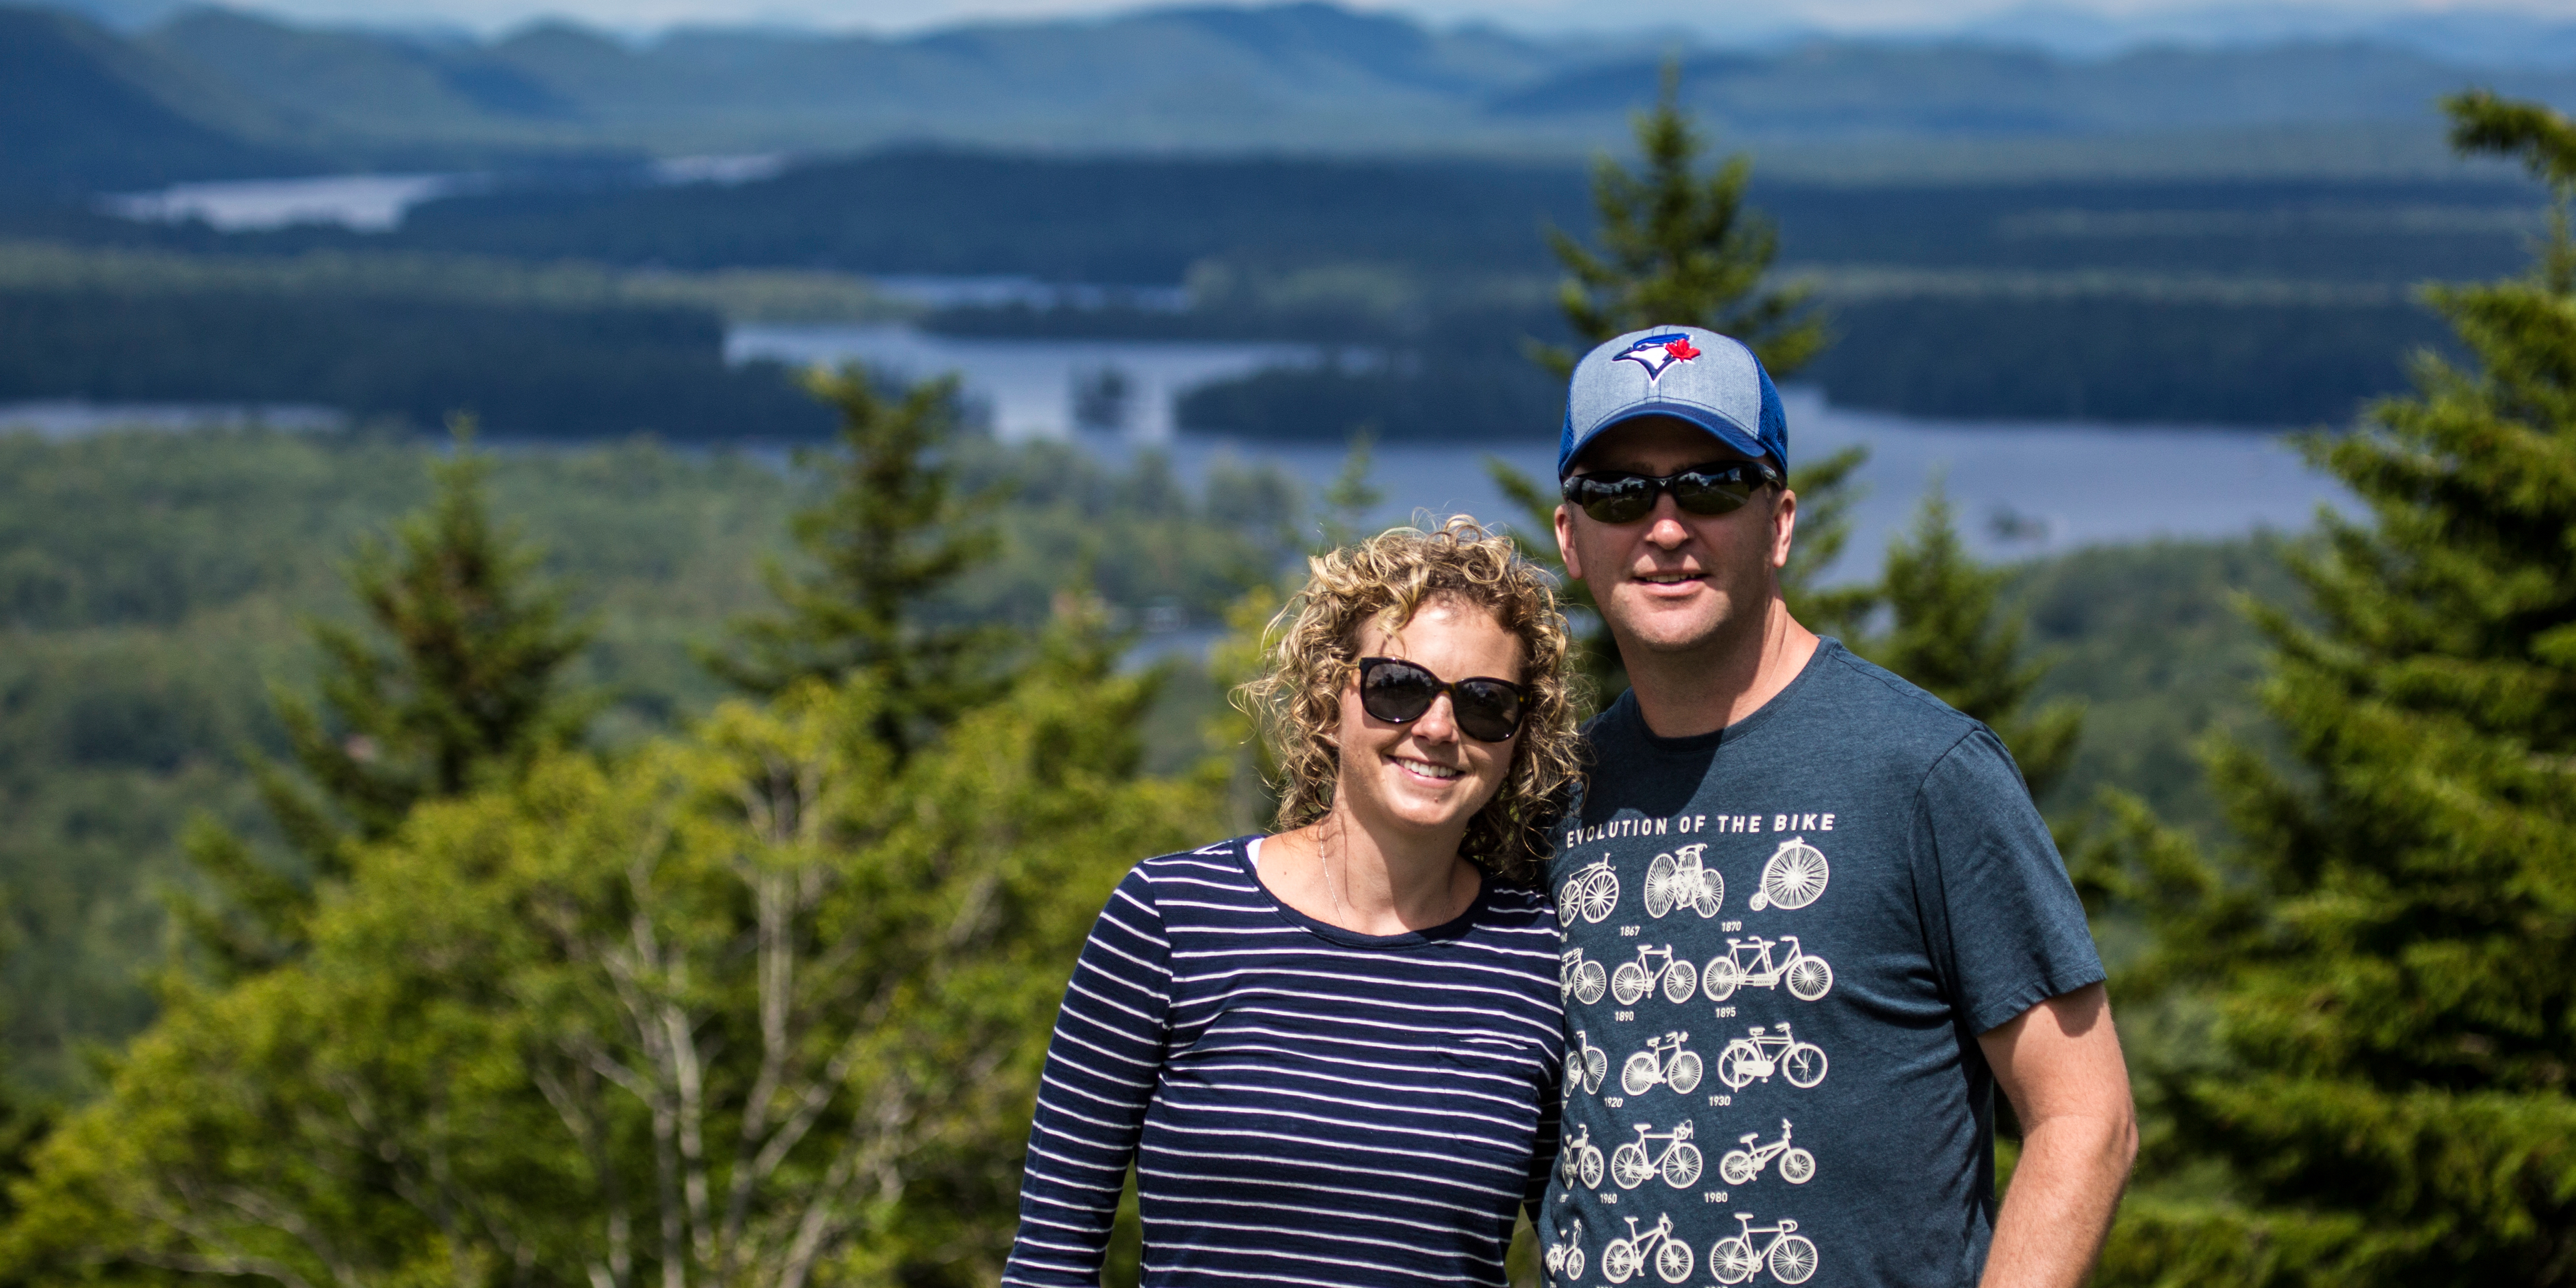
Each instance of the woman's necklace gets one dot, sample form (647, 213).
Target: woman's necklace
(1324, 870)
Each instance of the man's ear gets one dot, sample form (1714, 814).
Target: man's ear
(1565, 542)
(1784, 525)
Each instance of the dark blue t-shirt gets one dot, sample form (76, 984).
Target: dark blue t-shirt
(1782, 940)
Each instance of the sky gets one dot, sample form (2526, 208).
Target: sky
(899, 16)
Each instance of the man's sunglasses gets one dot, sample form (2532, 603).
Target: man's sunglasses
(1616, 496)
(1397, 691)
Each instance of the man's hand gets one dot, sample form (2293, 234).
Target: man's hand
(2059, 1064)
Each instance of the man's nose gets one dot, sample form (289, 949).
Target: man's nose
(1664, 527)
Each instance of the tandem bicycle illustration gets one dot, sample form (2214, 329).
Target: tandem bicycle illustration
(1740, 1166)
(1809, 977)
(1679, 1162)
(1681, 880)
(1663, 1062)
(1621, 1258)
(1734, 1259)
(1760, 1053)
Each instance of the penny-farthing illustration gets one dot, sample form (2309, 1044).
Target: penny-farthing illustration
(1795, 874)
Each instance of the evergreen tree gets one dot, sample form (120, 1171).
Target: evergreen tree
(754, 1005)
(1951, 635)
(1680, 246)
(893, 533)
(2383, 1093)
(471, 685)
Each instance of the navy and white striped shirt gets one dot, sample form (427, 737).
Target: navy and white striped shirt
(1303, 1105)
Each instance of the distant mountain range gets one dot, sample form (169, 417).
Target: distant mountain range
(207, 92)
(81, 110)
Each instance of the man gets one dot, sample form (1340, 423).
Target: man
(1812, 918)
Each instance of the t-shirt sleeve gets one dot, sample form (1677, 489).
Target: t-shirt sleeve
(1101, 1070)
(2003, 920)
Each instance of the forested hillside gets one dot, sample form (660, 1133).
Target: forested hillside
(151, 586)
(2264, 303)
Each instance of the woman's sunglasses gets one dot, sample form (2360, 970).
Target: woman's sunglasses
(1397, 691)
(1616, 496)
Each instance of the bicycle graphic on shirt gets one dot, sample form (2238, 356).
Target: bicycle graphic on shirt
(1808, 977)
(1621, 1258)
(1663, 1061)
(1759, 1054)
(1679, 1163)
(1791, 1255)
(1635, 979)
(1681, 880)
(1579, 1160)
(1586, 1065)
(1565, 1256)
(1793, 876)
(1578, 979)
(1592, 892)
(1740, 1166)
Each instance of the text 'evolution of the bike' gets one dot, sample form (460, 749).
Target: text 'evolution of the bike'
(1686, 824)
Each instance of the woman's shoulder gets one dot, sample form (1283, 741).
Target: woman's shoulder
(1185, 878)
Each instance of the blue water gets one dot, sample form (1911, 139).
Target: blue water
(2021, 488)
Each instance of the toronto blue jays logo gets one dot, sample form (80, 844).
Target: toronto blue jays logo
(1657, 352)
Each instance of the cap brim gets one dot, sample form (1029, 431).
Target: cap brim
(1717, 426)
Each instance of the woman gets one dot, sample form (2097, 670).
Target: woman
(1332, 1053)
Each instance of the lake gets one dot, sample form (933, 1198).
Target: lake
(2021, 488)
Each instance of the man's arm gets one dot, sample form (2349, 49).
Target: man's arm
(2059, 1064)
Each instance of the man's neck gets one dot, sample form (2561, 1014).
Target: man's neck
(1705, 689)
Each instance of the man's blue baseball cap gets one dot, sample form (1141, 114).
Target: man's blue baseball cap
(1684, 371)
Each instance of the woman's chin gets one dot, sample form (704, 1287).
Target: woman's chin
(1410, 803)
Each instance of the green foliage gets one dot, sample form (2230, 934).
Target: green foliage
(2382, 1093)
(1351, 498)
(175, 571)
(471, 687)
(2151, 640)
(762, 1004)
(1680, 248)
(160, 578)
(1950, 633)
(893, 535)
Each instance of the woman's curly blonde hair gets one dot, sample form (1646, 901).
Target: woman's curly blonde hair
(1311, 649)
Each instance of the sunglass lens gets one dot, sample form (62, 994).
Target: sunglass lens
(1487, 712)
(1710, 493)
(1618, 499)
(1397, 691)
